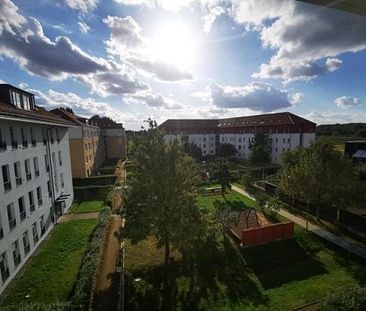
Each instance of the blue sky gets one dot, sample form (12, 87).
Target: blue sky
(134, 59)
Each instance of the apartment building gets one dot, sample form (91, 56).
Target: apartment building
(285, 131)
(114, 137)
(35, 177)
(87, 150)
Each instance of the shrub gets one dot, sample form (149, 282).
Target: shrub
(94, 181)
(84, 287)
(346, 299)
(56, 306)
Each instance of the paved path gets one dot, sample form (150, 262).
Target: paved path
(325, 234)
(68, 217)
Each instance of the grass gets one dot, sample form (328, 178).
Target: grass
(278, 276)
(86, 207)
(50, 275)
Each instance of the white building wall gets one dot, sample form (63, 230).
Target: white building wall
(207, 142)
(60, 167)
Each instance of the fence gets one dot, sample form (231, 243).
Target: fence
(265, 234)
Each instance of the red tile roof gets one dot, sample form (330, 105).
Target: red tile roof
(69, 116)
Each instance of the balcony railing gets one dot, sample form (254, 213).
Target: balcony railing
(18, 181)
(12, 224)
(7, 185)
(34, 143)
(3, 146)
(14, 144)
(28, 176)
(25, 144)
(23, 215)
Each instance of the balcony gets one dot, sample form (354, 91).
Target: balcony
(25, 144)
(12, 224)
(28, 176)
(14, 144)
(3, 146)
(34, 143)
(18, 181)
(7, 186)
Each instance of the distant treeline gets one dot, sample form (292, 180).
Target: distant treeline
(349, 129)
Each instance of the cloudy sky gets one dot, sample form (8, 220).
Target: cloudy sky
(134, 59)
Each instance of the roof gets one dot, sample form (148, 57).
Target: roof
(282, 118)
(77, 120)
(38, 114)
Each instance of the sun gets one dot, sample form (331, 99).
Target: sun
(175, 43)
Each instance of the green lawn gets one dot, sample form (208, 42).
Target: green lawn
(86, 207)
(278, 276)
(51, 273)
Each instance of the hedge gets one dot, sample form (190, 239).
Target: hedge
(56, 306)
(94, 181)
(96, 193)
(346, 299)
(84, 287)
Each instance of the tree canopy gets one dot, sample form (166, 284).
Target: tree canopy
(260, 149)
(220, 173)
(194, 151)
(226, 150)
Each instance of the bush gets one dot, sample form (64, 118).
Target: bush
(346, 299)
(97, 193)
(56, 306)
(94, 181)
(84, 287)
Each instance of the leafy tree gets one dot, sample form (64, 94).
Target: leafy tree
(260, 149)
(194, 151)
(320, 175)
(247, 180)
(219, 172)
(160, 199)
(226, 150)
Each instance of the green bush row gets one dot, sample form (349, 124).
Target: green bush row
(81, 298)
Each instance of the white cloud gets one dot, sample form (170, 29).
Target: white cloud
(210, 18)
(255, 96)
(332, 117)
(296, 98)
(168, 5)
(347, 101)
(306, 38)
(84, 6)
(154, 100)
(83, 27)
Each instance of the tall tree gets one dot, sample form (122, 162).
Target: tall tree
(194, 151)
(220, 173)
(226, 150)
(320, 175)
(160, 199)
(260, 149)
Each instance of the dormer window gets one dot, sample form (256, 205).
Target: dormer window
(21, 100)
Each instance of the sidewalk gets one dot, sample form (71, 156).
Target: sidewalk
(348, 246)
(69, 217)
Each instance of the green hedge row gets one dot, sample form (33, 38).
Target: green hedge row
(94, 181)
(85, 284)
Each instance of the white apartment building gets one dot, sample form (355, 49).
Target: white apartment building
(35, 177)
(285, 131)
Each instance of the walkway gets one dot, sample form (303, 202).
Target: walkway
(347, 245)
(68, 217)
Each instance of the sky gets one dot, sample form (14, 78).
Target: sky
(136, 59)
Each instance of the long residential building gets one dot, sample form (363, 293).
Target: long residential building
(35, 177)
(285, 131)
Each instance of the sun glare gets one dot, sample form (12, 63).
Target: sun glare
(174, 43)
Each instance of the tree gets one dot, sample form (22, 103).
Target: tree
(194, 151)
(219, 172)
(226, 150)
(260, 149)
(320, 175)
(160, 199)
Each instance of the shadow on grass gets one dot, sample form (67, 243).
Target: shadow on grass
(214, 277)
(281, 262)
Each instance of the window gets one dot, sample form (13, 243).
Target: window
(41, 222)
(59, 158)
(288, 140)
(86, 146)
(2, 141)
(22, 211)
(35, 233)
(39, 196)
(4, 269)
(11, 216)
(47, 165)
(33, 140)
(24, 141)
(6, 177)
(44, 136)
(49, 189)
(89, 146)
(239, 147)
(62, 180)
(13, 138)
(284, 140)
(16, 255)
(1, 229)
(17, 173)
(57, 136)
(26, 103)
(36, 167)
(28, 173)
(51, 136)
(276, 140)
(26, 244)
(55, 177)
(239, 139)
(31, 201)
